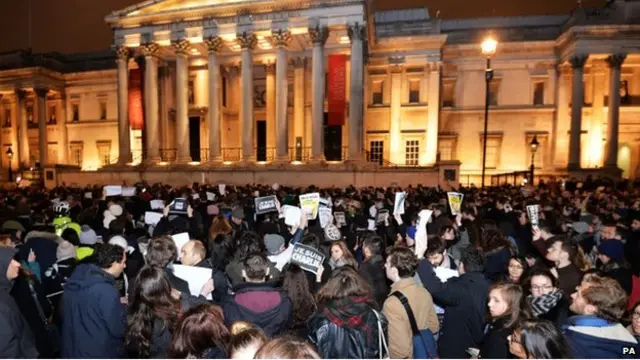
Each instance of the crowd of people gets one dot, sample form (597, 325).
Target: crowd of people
(86, 274)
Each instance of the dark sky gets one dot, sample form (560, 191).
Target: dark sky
(78, 25)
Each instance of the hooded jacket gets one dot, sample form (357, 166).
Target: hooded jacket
(44, 245)
(16, 338)
(93, 317)
(590, 337)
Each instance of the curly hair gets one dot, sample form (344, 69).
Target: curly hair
(296, 286)
(493, 239)
(200, 329)
(344, 282)
(151, 302)
(250, 242)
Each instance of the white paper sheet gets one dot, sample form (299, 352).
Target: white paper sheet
(152, 218)
(180, 240)
(157, 204)
(195, 276)
(292, 215)
(398, 207)
(211, 196)
(113, 190)
(128, 191)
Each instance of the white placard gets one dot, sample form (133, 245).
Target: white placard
(157, 204)
(340, 218)
(324, 214)
(398, 207)
(113, 190)
(423, 218)
(88, 195)
(128, 191)
(211, 196)
(180, 240)
(532, 212)
(292, 215)
(221, 188)
(195, 276)
(455, 202)
(152, 218)
(310, 203)
(195, 196)
(372, 225)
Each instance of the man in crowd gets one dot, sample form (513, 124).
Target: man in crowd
(400, 266)
(257, 301)
(193, 253)
(372, 269)
(465, 302)
(93, 313)
(596, 331)
(162, 252)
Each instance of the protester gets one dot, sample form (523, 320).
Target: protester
(194, 253)
(596, 332)
(400, 267)
(287, 347)
(372, 269)
(93, 315)
(538, 340)
(634, 326)
(257, 301)
(200, 334)
(438, 255)
(546, 300)
(504, 313)
(517, 268)
(570, 263)
(249, 242)
(611, 256)
(246, 340)
(341, 256)
(296, 286)
(464, 318)
(162, 252)
(346, 325)
(16, 338)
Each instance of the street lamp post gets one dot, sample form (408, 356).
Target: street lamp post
(534, 147)
(488, 46)
(10, 156)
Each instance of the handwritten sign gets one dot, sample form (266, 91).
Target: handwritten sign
(307, 258)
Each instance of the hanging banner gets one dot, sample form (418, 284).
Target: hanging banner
(336, 88)
(136, 115)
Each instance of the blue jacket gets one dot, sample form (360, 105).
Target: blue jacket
(93, 318)
(590, 337)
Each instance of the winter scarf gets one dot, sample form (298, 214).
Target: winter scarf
(543, 304)
(353, 313)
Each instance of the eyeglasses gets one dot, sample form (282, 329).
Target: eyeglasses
(541, 288)
(515, 267)
(636, 314)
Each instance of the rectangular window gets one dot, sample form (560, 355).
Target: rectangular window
(76, 152)
(192, 94)
(493, 92)
(376, 151)
(31, 121)
(104, 152)
(448, 91)
(377, 93)
(52, 115)
(75, 109)
(412, 150)
(103, 110)
(7, 118)
(52, 152)
(494, 144)
(224, 91)
(414, 91)
(447, 148)
(538, 93)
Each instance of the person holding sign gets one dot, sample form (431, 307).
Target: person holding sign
(162, 252)
(258, 302)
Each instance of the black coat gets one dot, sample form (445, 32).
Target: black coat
(494, 344)
(559, 313)
(372, 271)
(176, 283)
(16, 339)
(465, 302)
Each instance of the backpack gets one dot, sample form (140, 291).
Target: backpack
(424, 343)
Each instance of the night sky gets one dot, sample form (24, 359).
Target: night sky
(78, 25)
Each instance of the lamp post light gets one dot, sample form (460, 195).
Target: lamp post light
(488, 46)
(534, 147)
(10, 156)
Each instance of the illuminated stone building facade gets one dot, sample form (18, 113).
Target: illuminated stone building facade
(243, 83)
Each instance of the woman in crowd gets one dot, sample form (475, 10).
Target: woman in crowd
(570, 263)
(498, 250)
(295, 285)
(341, 256)
(287, 347)
(220, 227)
(246, 340)
(221, 252)
(611, 256)
(538, 339)
(634, 327)
(517, 268)
(200, 334)
(346, 324)
(546, 300)
(504, 313)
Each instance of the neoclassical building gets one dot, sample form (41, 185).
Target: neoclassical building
(279, 83)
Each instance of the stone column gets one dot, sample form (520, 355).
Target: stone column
(214, 45)
(270, 101)
(433, 114)
(247, 44)
(163, 105)
(124, 130)
(183, 154)
(356, 34)
(577, 100)
(559, 143)
(23, 128)
(595, 123)
(615, 62)
(150, 51)
(395, 138)
(281, 39)
(318, 36)
(298, 100)
(41, 107)
(64, 135)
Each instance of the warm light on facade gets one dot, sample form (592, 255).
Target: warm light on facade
(344, 40)
(227, 162)
(489, 46)
(228, 37)
(299, 30)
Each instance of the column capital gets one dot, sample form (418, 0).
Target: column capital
(434, 66)
(616, 60)
(21, 94)
(578, 61)
(356, 31)
(319, 34)
(270, 68)
(563, 68)
(181, 47)
(122, 52)
(396, 68)
(41, 92)
(149, 49)
(280, 38)
(298, 62)
(214, 44)
(247, 40)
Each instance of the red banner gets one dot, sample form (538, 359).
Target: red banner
(337, 89)
(136, 114)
